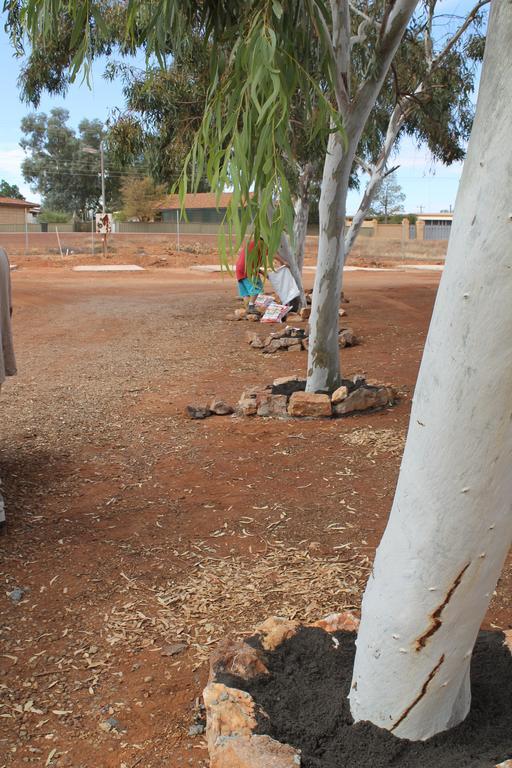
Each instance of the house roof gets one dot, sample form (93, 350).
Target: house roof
(441, 215)
(14, 202)
(199, 200)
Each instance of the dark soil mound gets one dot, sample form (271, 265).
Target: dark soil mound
(289, 387)
(306, 693)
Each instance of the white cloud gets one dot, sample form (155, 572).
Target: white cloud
(11, 157)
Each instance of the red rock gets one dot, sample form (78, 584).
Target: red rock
(338, 395)
(364, 398)
(309, 404)
(197, 412)
(229, 712)
(254, 752)
(247, 406)
(250, 336)
(305, 313)
(236, 658)
(220, 408)
(347, 338)
(172, 649)
(338, 622)
(284, 380)
(240, 313)
(275, 631)
(272, 405)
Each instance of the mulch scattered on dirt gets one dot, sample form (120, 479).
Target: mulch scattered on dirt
(305, 696)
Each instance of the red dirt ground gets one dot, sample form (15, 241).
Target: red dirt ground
(124, 517)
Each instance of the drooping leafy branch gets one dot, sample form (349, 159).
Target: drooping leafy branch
(244, 141)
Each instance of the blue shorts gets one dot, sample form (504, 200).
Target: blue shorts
(247, 287)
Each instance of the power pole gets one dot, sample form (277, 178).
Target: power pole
(102, 168)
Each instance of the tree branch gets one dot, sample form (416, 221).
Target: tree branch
(429, 46)
(341, 44)
(340, 88)
(406, 104)
(364, 16)
(391, 32)
(437, 60)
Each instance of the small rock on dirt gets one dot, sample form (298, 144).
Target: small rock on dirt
(257, 751)
(197, 412)
(272, 405)
(347, 338)
(339, 394)
(236, 657)
(173, 649)
(275, 631)
(338, 622)
(16, 595)
(196, 730)
(220, 408)
(364, 398)
(309, 404)
(247, 406)
(112, 724)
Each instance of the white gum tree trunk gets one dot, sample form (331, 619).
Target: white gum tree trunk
(323, 352)
(451, 523)
(300, 227)
(286, 253)
(301, 210)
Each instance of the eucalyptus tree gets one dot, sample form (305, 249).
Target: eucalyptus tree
(450, 527)
(426, 93)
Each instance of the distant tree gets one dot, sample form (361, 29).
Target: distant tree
(64, 166)
(388, 198)
(10, 190)
(163, 110)
(141, 197)
(367, 74)
(53, 217)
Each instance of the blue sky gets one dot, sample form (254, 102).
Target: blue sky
(428, 186)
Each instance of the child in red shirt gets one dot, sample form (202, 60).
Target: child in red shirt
(249, 287)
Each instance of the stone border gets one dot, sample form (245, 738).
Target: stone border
(292, 339)
(286, 398)
(232, 715)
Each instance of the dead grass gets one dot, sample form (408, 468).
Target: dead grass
(379, 441)
(233, 594)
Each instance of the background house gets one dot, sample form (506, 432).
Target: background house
(15, 213)
(435, 226)
(200, 208)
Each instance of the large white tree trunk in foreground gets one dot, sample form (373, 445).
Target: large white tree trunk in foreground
(451, 523)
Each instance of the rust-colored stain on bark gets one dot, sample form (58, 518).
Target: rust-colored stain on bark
(436, 616)
(421, 694)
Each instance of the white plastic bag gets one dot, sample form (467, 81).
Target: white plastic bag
(283, 284)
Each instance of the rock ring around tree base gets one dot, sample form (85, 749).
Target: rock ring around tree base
(232, 716)
(237, 725)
